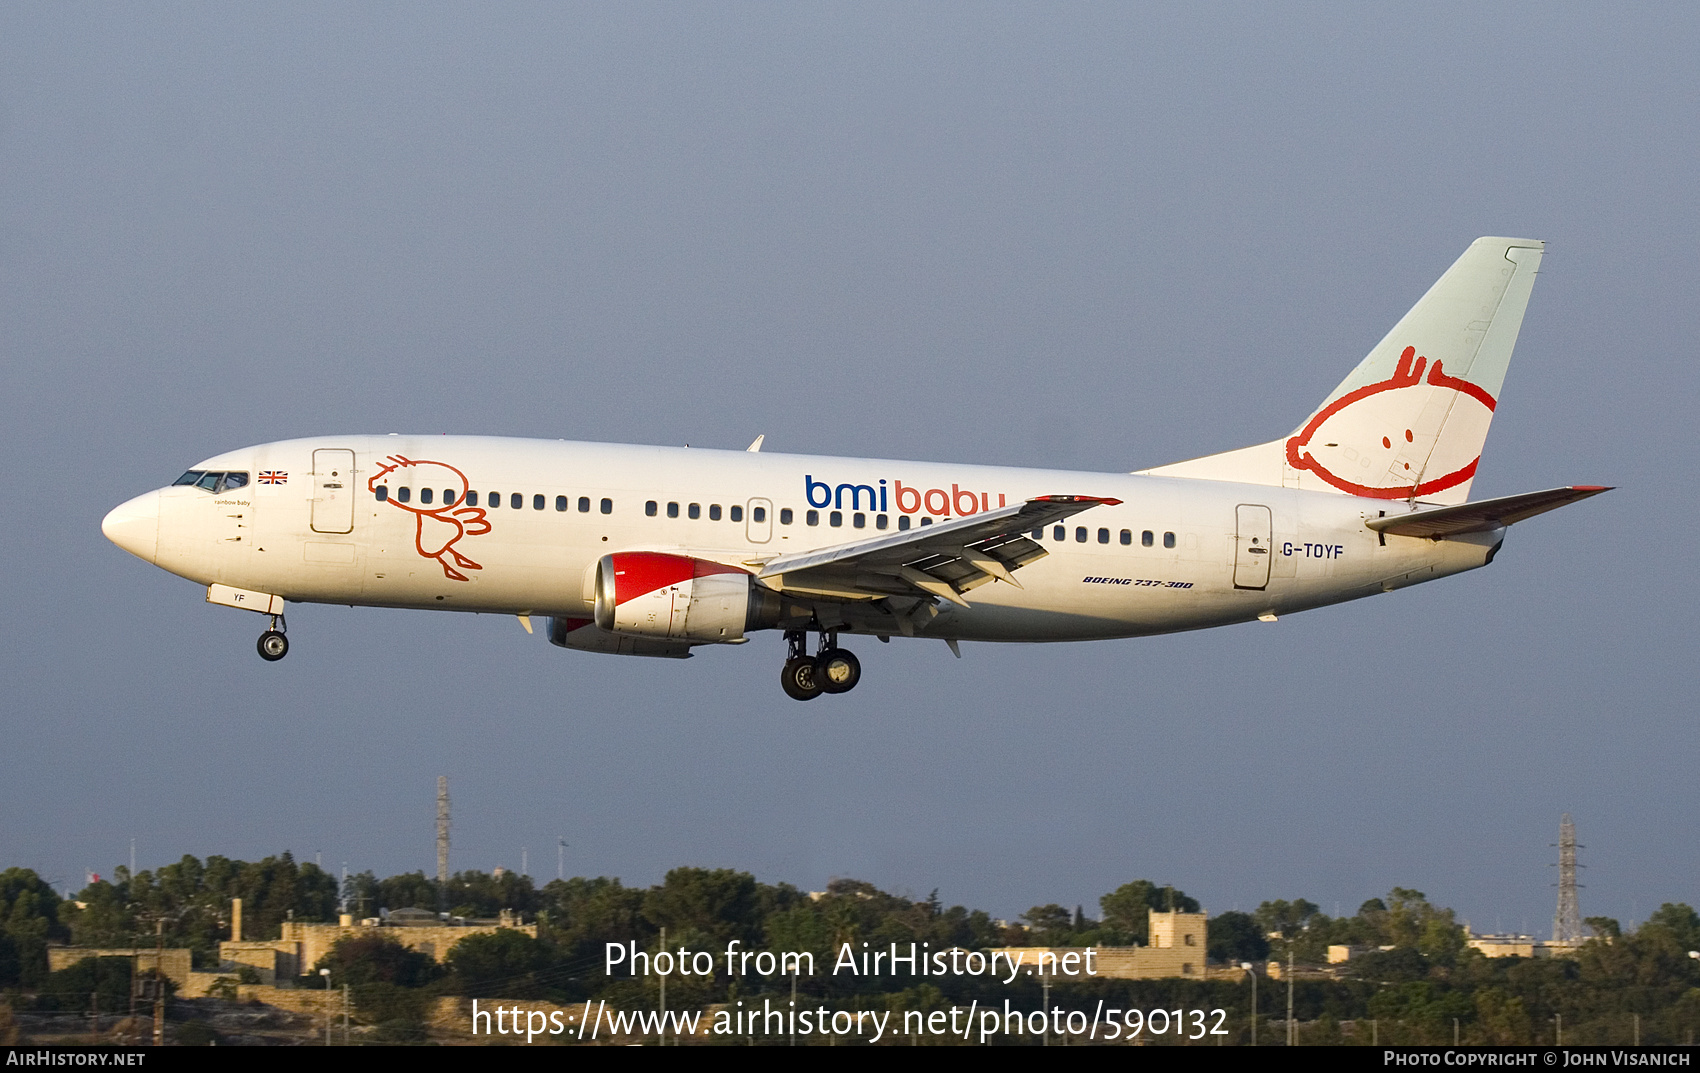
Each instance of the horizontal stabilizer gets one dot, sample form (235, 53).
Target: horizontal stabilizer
(1483, 515)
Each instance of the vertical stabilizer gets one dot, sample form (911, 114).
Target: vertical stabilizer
(1410, 421)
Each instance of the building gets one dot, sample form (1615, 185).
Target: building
(173, 964)
(303, 945)
(1520, 946)
(1176, 950)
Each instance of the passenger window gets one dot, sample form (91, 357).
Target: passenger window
(672, 510)
(758, 514)
(859, 520)
(425, 495)
(562, 503)
(1080, 534)
(926, 521)
(233, 480)
(191, 477)
(835, 519)
(584, 504)
(449, 497)
(537, 502)
(694, 511)
(383, 493)
(736, 513)
(1103, 536)
(404, 493)
(1145, 539)
(472, 499)
(209, 481)
(651, 508)
(516, 501)
(812, 518)
(495, 500)
(1059, 533)
(785, 516)
(714, 512)
(879, 521)
(1168, 540)
(1127, 536)
(607, 506)
(1037, 534)
(903, 523)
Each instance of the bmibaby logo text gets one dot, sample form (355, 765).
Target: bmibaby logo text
(909, 499)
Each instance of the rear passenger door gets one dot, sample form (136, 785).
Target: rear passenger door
(1251, 547)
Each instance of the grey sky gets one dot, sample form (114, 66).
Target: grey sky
(1096, 237)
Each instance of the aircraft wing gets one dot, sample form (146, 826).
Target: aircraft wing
(942, 560)
(1482, 515)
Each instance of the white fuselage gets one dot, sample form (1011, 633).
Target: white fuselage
(319, 534)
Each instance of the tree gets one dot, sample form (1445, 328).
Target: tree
(498, 964)
(1049, 925)
(1235, 936)
(479, 894)
(1127, 907)
(579, 915)
(1284, 917)
(368, 959)
(1604, 927)
(1680, 920)
(108, 977)
(29, 917)
(721, 904)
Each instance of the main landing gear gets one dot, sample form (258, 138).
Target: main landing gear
(273, 645)
(831, 670)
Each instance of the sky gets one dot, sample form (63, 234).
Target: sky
(1087, 236)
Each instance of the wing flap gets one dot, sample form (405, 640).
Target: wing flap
(942, 560)
(1482, 515)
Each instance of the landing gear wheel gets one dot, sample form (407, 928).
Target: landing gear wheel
(837, 670)
(799, 680)
(273, 646)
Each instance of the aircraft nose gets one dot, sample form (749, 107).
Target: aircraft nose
(134, 526)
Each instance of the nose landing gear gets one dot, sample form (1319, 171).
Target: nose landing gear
(273, 645)
(832, 670)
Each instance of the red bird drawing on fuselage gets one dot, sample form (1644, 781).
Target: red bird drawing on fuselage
(438, 525)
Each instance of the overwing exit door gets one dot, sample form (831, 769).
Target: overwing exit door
(1251, 547)
(333, 491)
(759, 528)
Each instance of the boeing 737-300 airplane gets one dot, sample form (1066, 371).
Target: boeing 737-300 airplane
(652, 551)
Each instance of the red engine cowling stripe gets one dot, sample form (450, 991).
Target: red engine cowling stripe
(638, 573)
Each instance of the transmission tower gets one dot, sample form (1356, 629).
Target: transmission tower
(442, 839)
(1567, 922)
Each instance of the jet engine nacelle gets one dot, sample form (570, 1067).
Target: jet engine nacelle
(655, 594)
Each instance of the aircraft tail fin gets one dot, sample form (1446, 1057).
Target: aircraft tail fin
(1410, 421)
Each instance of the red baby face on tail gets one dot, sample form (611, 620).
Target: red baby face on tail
(1365, 442)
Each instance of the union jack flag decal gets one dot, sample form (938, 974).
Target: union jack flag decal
(274, 476)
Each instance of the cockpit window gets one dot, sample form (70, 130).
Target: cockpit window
(212, 481)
